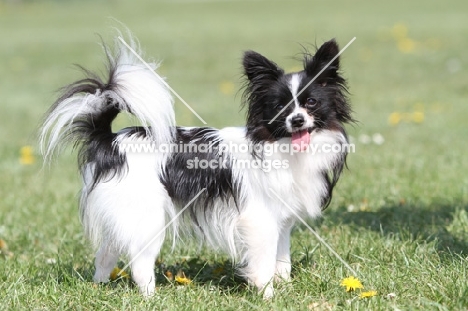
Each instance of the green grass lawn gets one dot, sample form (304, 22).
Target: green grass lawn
(399, 214)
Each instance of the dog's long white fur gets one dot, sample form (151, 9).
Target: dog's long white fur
(123, 214)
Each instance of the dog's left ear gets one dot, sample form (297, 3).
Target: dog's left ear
(323, 56)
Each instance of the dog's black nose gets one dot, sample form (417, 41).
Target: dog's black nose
(297, 121)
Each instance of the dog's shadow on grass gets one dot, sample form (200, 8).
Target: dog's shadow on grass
(219, 276)
(444, 223)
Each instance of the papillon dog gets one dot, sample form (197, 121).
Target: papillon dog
(237, 189)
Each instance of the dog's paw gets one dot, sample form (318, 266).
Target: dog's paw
(268, 292)
(147, 291)
(101, 278)
(282, 278)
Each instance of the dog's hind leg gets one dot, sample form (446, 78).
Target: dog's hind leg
(142, 264)
(147, 243)
(143, 272)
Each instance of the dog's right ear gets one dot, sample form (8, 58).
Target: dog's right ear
(259, 68)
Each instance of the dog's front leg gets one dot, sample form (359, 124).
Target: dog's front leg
(283, 256)
(260, 236)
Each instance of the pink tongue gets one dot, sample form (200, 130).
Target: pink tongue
(300, 140)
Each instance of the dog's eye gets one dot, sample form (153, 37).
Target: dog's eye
(279, 106)
(311, 102)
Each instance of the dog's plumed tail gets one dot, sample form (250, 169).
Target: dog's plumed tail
(84, 112)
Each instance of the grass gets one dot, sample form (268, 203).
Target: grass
(399, 215)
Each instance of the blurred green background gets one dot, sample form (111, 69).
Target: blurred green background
(407, 182)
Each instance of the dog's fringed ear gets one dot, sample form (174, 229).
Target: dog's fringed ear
(259, 68)
(314, 64)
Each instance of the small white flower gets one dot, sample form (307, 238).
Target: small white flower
(364, 139)
(391, 296)
(51, 261)
(378, 139)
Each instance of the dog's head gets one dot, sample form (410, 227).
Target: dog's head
(295, 104)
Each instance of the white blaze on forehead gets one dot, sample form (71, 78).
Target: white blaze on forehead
(294, 87)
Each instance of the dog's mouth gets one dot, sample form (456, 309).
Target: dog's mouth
(300, 139)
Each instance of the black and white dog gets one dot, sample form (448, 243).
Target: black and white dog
(249, 183)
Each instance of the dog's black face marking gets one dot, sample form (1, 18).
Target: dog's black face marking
(267, 92)
(321, 93)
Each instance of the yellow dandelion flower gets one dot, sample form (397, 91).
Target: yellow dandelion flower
(3, 245)
(182, 279)
(418, 117)
(118, 273)
(406, 45)
(368, 294)
(226, 87)
(26, 155)
(351, 283)
(394, 118)
(27, 160)
(399, 31)
(4, 249)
